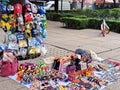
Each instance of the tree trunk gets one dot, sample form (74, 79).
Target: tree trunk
(56, 5)
(114, 3)
(82, 4)
(103, 4)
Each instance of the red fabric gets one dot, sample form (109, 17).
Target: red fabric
(6, 68)
(9, 68)
(14, 66)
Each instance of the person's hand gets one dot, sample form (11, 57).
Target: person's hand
(83, 58)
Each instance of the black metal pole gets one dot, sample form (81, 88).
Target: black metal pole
(56, 5)
(61, 5)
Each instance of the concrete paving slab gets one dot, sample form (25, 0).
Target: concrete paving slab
(82, 37)
(23, 88)
(114, 54)
(3, 79)
(116, 58)
(9, 85)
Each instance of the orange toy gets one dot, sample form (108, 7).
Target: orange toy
(20, 75)
(75, 77)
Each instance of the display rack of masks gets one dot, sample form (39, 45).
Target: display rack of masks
(24, 27)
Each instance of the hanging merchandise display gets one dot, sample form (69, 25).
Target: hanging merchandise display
(26, 26)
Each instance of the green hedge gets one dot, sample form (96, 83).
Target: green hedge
(80, 19)
(56, 16)
(114, 25)
(106, 13)
(76, 23)
(93, 23)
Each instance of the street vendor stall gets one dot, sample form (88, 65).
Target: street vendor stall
(25, 28)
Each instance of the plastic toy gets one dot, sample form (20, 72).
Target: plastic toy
(20, 36)
(17, 9)
(37, 69)
(42, 10)
(43, 31)
(10, 9)
(3, 47)
(13, 46)
(20, 75)
(12, 38)
(34, 8)
(28, 30)
(22, 67)
(28, 17)
(31, 51)
(12, 23)
(26, 79)
(23, 52)
(3, 8)
(5, 22)
(28, 34)
(28, 8)
(20, 22)
(104, 28)
(38, 50)
(43, 17)
(41, 63)
(22, 43)
(75, 76)
(35, 85)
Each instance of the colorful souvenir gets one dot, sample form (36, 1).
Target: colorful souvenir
(28, 17)
(10, 9)
(17, 9)
(3, 8)
(34, 8)
(5, 22)
(28, 34)
(42, 10)
(63, 64)
(31, 51)
(38, 50)
(20, 22)
(13, 46)
(12, 38)
(22, 43)
(20, 36)
(23, 52)
(31, 42)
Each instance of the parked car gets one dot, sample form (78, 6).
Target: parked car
(50, 5)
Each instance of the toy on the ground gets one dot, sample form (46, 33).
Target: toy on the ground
(76, 76)
(104, 28)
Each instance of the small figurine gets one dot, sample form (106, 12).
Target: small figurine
(20, 75)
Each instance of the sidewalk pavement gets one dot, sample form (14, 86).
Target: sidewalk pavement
(61, 42)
